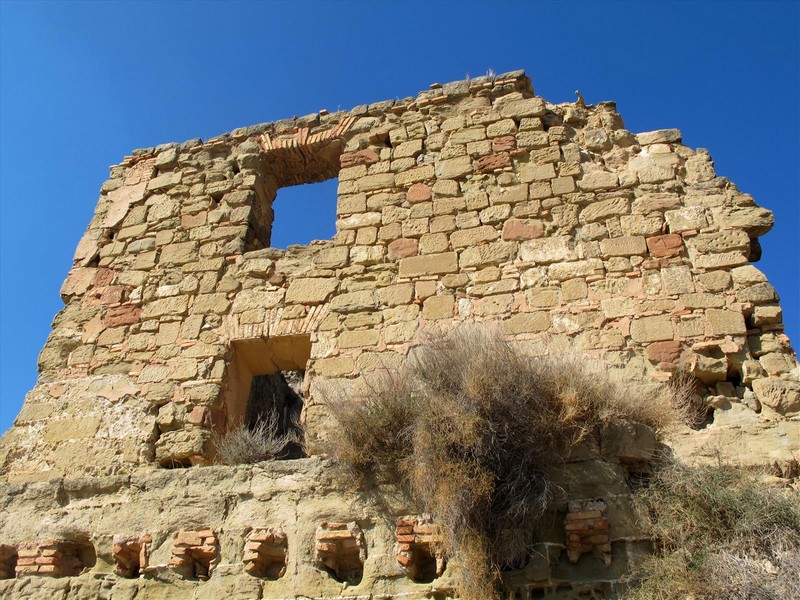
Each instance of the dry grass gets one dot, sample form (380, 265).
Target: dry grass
(247, 445)
(722, 534)
(471, 427)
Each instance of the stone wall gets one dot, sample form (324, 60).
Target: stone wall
(475, 201)
(299, 528)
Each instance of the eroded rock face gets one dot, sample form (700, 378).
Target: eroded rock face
(477, 201)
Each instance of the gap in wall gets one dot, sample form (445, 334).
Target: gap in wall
(304, 213)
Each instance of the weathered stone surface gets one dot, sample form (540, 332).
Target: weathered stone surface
(310, 290)
(651, 329)
(781, 396)
(429, 264)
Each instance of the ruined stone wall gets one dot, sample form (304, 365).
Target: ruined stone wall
(476, 201)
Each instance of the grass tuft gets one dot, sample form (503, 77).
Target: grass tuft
(471, 427)
(722, 534)
(261, 442)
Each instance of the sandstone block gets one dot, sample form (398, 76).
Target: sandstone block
(509, 195)
(521, 229)
(375, 182)
(659, 136)
(651, 329)
(562, 185)
(571, 270)
(527, 323)
(358, 339)
(473, 236)
(488, 254)
(617, 307)
(454, 168)
(176, 305)
(335, 366)
(684, 219)
(429, 264)
(179, 254)
(418, 192)
(359, 157)
(599, 211)
(402, 248)
(756, 221)
(726, 322)
(395, 295)
(723, 260)
(677, 280)
(415, 175)
(664, 246)
(623, 246)
(781, 396)
(61, 430)
(310, 290)
(354, 302)
(255, 298)
(598, 180)
(162, 182)
(518, 108)
(548, 250)
(438, 307)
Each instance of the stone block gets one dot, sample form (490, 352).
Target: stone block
(438, 307)
(781, 396)
(599, 211)
(358, 339)
(429, 264)
(454, 168)
(659, 136)
(419, 192)
(598, 180)
(665, 246)
(402, 248)
(354, 302)
(473, 236)
(487, 254)
(685, 219)
(527, 323)
(61, 430)
(651, 329)
(623, 246)
(571, 270)
(754, 220)
(521, 229)
(548, 250)
(726, 322)
(310, 290)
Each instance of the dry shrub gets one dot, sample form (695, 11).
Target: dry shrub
(471, 426)
(721, 534)
(260, 442)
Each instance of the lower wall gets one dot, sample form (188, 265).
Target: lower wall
(589, 546)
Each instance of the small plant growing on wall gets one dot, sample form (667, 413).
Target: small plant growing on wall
(472, 427)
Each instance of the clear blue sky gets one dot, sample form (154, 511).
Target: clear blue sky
(82, 84)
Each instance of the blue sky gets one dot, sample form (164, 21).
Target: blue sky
(82, 84)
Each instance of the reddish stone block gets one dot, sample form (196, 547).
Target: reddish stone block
(668, 352)
(493, 162)
(403, 248)
(419, 192)
(663, 246)
(123, 315)
(360, 157)
(516, 229)
(504, 143)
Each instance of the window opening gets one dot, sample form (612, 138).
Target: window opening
(264, 391)
(304, 213)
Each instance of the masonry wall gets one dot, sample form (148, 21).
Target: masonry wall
(476, 201)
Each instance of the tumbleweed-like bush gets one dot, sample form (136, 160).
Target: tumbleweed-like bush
(260, 442)
(471, 426)
(721, 534)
